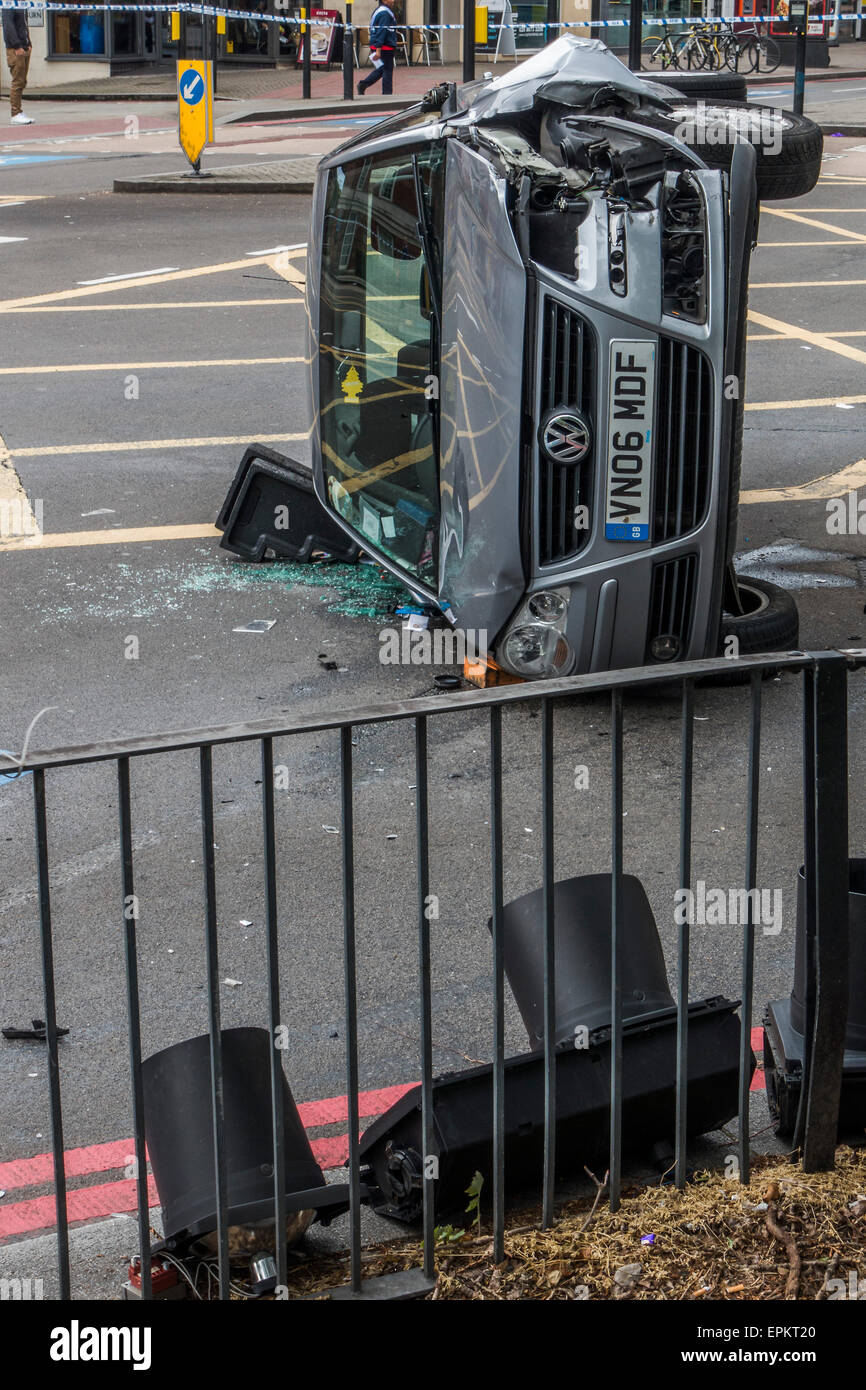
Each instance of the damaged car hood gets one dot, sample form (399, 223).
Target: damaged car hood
(581, 73)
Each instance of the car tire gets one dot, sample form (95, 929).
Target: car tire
(788, 173)
(720, 86)
(770, 624)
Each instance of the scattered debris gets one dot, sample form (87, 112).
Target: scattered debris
(331, 829)
(326, 662)
(38, 1032)
(627, 1275)
(244, 922)
(447, 682)
(256, 625)
(231, 983)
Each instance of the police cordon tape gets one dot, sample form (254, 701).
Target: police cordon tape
(212, 11)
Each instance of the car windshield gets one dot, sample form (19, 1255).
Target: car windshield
(379, 352)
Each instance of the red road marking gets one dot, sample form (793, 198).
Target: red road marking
(101, 1158)
(758, 1080)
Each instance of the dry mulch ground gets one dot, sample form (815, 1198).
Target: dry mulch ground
(711, 1241)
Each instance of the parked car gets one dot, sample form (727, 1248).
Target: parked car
(527, 306)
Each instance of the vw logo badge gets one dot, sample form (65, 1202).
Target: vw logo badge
(565, 438)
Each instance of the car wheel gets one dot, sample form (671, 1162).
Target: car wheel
(720, 86)
(769, 621)
(786, 167)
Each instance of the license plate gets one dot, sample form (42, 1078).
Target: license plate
(631, 407)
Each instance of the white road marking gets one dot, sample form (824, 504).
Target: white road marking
(4, 239)
(275, 250)
(133, 275)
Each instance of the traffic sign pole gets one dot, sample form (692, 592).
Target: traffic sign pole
(306, 89)
(348, 55)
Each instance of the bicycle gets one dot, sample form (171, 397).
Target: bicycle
(697, 49)
(765, 52)
(745, 49)
(658, 53)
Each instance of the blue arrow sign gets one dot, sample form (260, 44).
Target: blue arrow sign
(192, 88)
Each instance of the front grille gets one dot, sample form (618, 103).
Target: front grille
(672, 601)
(568, 359)
(684, 440)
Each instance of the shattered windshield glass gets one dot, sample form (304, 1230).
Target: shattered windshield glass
(379, 352)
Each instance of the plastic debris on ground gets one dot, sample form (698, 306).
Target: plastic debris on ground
(37, 1033)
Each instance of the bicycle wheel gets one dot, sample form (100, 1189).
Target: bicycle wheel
(655, 55)
(767, 54)
(689, 54)
(713, 55)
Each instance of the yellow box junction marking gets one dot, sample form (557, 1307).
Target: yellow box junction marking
(813, 222)
(85, 291)
(837, 484)
(821, 340)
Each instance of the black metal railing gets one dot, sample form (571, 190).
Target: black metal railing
(824, 678)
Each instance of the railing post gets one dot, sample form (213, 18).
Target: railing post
(825, 1049)
(50, 1004)
(547, 848)
(747, 966)
(616, 853)
(133, 1020)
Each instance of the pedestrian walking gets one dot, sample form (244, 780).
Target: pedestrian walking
(383, 46)
(16, 36)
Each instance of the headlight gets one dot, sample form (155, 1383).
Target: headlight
(536, 650)
(548, 606)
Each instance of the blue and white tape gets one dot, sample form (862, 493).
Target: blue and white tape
(213, 11)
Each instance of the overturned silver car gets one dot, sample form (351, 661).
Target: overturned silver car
(527, 302)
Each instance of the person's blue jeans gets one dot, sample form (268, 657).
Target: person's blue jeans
(386, 72)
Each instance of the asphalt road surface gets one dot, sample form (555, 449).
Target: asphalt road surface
(145, 341)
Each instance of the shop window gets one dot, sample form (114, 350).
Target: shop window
(81, 35)
(248, 37)
(124, 34)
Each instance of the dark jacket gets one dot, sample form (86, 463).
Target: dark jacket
(16, 32)
(383, 28)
